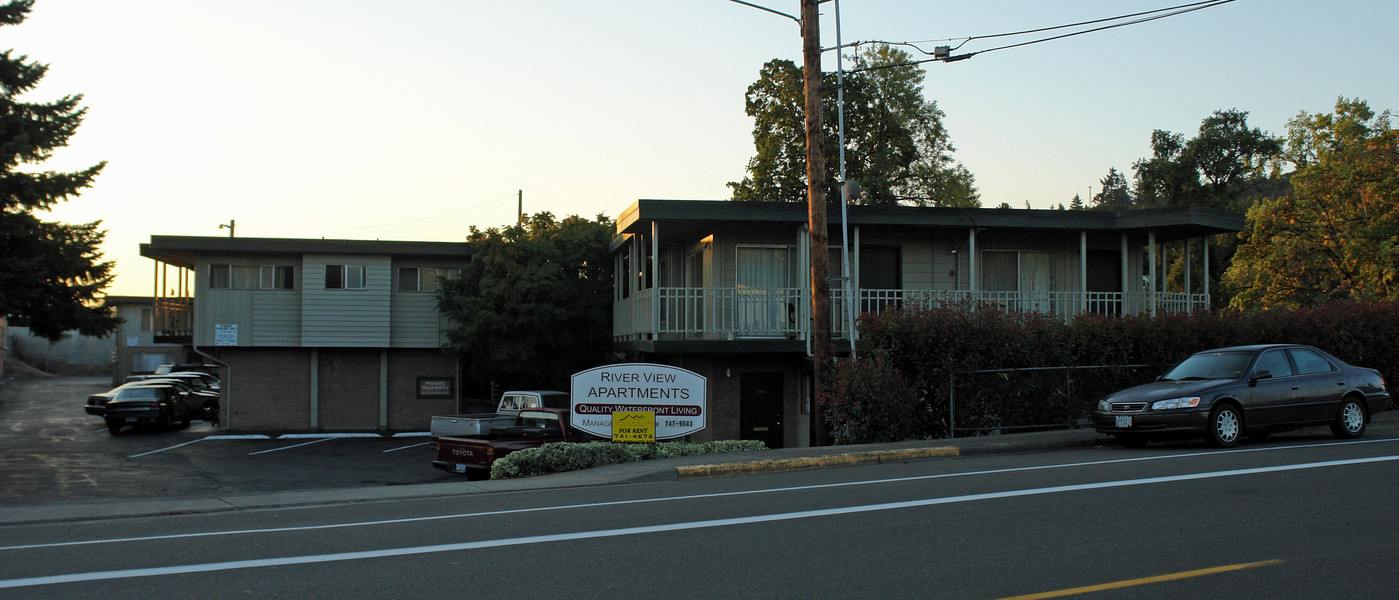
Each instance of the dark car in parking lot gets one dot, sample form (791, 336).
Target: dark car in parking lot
(1228, 393)
(203, 401)
(142, 405)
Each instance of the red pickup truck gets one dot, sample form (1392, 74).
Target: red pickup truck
(533, 427)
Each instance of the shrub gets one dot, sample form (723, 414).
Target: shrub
(561, 457)
(914, 360)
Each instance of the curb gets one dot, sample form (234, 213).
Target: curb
(811, 463)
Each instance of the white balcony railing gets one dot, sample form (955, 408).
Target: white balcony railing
(683, 313)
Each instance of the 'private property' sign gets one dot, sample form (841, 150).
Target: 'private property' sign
(676, 395)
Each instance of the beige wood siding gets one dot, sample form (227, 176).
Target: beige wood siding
(346, 318)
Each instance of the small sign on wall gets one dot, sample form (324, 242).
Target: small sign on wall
(225, 334)
(435, 388)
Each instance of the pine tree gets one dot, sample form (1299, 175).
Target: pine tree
(50, 274)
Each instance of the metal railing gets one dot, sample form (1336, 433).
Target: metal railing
(736, 313)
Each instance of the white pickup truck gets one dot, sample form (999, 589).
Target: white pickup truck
(480, 424)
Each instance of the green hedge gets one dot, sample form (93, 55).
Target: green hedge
(914, 362)
(560, 457)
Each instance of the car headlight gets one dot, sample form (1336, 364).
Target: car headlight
(1190, 402)
(1105, 406)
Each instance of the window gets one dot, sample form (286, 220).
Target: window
(421, 279)
(251, 277)
(277, 278)
(1276, 362)
(219, 277)
(146, 319)
(1309, 362)
(344, 277)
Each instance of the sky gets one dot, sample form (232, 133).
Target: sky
(417, 119)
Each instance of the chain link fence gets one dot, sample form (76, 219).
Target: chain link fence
(992, 401)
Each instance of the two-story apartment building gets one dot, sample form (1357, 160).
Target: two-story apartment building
(313, 334)
(722, 288)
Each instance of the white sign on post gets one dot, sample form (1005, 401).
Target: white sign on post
(675, 395)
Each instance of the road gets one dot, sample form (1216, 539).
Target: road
(1308, 517)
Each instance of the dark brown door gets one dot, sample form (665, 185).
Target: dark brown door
(760, 408)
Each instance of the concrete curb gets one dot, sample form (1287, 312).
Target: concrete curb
(810, 463)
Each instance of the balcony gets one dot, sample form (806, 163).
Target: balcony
(732, 314)
(171, 319)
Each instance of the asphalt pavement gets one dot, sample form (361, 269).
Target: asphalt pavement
(671, 469)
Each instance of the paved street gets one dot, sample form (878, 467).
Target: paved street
(1309, 518)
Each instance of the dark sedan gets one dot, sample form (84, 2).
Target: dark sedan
(1227, 393)
(160, 405)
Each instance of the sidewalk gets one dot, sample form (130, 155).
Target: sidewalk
(671, 469)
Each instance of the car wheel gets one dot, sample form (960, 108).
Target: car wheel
(113, 427)
(167, 422)
(1225, 426)
(1130, 441)
(1350, 419)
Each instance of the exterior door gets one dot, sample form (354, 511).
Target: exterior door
(1322, 384)
(765, 301)
(760, 408)
(1277, 399)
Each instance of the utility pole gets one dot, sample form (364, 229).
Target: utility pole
(520, 208)
(228, 226)
(822, 349)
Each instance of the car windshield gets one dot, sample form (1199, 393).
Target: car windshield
(1210, 365)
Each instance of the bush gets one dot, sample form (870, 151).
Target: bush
(561, 457)
(913, 362)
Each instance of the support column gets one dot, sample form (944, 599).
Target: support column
(1151, 270)
(1083, 271)
(1126, 283)
(383, 388)
(971, 262)
(315, 388)
(655, 280)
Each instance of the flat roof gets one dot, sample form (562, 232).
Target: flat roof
(181, 249)
(1179, 221)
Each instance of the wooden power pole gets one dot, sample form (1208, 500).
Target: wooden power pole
(822, 349)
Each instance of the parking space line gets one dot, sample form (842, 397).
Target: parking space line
(292, 446)
(169, 448)
(406, 447)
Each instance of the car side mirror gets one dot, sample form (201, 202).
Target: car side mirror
(1260, 374)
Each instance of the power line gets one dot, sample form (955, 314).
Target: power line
(1145, 17)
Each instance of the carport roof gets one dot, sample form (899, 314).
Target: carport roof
(181, 250)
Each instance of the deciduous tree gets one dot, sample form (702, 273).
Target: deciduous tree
(1336, 236)
(534, 305)
(896, 144)
(50, 273)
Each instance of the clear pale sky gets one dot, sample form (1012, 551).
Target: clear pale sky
(416, 119)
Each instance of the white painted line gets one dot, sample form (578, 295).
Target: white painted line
(664, 528)
(412, 434)
(307, 436)
(164, 449)
(799, 488)
(290, 447)
(239, 437)
(405, 447)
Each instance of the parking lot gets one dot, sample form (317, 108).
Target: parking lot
(53, 451)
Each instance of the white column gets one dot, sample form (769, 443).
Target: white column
(1151, 270)
(971, 261)
(1083, 270)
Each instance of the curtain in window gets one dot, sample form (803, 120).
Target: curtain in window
(763, 280)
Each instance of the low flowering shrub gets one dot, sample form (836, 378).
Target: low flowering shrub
(561, 457)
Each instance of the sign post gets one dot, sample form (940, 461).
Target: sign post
(602, 397)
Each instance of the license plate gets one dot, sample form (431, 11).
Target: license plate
(131, 419)
(1124, 421)
(459, 468)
